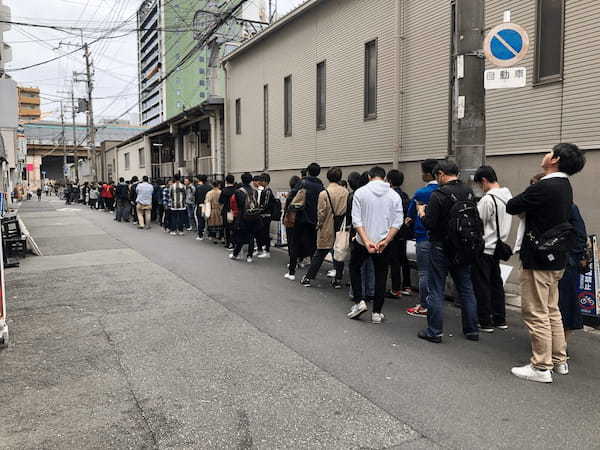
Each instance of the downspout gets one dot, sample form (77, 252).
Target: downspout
(227, 137)
(399, 83)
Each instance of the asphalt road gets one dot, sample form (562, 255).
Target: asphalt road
(136, 339)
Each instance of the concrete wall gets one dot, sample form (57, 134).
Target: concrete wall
(134, 162)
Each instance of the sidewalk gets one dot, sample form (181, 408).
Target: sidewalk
(110, 350)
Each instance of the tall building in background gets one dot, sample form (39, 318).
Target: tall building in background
(5, 50)
(167, 33)
(29, 104)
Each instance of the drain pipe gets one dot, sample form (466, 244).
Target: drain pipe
(399, 83)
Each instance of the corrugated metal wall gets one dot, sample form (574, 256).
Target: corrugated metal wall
(534, 118)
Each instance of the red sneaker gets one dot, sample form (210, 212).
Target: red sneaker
(417, 311)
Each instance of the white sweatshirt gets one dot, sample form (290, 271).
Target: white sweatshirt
(487, 211)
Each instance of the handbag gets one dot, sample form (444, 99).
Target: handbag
(230, 217)
(206, 210)
(503, 251)
(341, 243)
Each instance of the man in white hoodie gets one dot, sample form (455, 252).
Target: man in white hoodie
(486, 275)
(376, 216)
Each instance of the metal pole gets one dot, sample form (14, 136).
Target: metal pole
(468, 108)
(74, 115)
(92, 129)
(64, 140)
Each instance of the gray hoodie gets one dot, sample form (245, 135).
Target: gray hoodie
(487, 211)
(377, 208)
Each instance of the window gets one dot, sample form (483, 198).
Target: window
(178, 92)
(126, 161)
(287, 105)
(201, 82)
(201, 70)
(178, 105)
(549, 41)
(238, 116)
(371, 79)
(201, 94)
(142, 158)
(266, 123)
(321, 95)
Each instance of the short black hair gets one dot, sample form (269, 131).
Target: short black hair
(266, 177)
(133, 179)
(364, 179)
(377, 172)
(121, 180)
(216, 184)
(354, 180)
(334, 174)
(303, 172)
(203, 178)
(428, 166)
(486, 172)
(230, 179)
(395, 178)
(572, 159)
(314, 169)
(257, 178)
(294, 181)
(447, 167)
(176, 177)
(145, 178)
(246, 177)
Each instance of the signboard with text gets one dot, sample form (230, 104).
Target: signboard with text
(588, 286)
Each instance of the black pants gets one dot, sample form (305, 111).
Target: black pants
(381, 263)
(245, 233)
(399, 267)
(317, 261)
(263, 238)
(489, 291)
(178, 218)
(200, 221)
(227, 229)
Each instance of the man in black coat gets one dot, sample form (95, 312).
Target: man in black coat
(224, 199)
(546, 208)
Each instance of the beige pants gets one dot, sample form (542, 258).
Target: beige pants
(539, 305)
(144, 213)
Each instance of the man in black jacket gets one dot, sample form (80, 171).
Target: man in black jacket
(122, 198)
(435, 217)
(224, 199)
(133, 198)
(247, 218)
(202, 189)
(305, 231)
(546, 207)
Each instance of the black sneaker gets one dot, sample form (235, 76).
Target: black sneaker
(336, 284)
(472, 337)
(305, 281)
(424, 335)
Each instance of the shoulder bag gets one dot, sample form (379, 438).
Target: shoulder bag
(503, 251)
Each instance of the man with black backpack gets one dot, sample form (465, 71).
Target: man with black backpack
(486, 274)
(456, 235)
(247, 214)
(267, 203)
(544, 247)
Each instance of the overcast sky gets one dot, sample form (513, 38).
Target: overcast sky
(114, 59)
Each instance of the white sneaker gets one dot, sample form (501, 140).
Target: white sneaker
(198, 238)
(357, 310)
(377, 318)
(232, 256)
(530, 373)
(189, 229)
(331, 273)
(561, 368)
(289, 277)
(172, 233)
(248, 260)
(180, 233)
(264, 255)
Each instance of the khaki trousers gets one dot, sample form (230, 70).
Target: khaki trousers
(144, 213)
(539, 305)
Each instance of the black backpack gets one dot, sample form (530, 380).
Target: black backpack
(465, 230)
(251, 210)
(276, 210)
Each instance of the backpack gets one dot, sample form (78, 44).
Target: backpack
(465, 230)
(276, 210)
(251, 209)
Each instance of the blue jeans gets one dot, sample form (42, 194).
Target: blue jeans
(423, 256)
(439, 269)
(191, 215)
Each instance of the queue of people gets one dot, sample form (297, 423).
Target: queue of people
(365, 222)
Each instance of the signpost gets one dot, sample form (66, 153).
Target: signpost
(504, 46)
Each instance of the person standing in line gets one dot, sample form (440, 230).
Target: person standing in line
(190, 197)
(305, 229)
(486, 275)
(202, 188)
(214, 223)
(122, 197)
(544, 246)
(289, 232)
(399, 267)
(377, 217)
(46, 190)
(144, 191)
(266, 202)
(224, 200)
(133, 198)
(423, 245)
(445, 257)
(178, 209)
(166, 207)
(244, 205)
(330, 216)
(94, 193)
(156, 201)
(39, 194)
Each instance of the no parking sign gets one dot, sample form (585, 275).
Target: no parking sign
(506, 45)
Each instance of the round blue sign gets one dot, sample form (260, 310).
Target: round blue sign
(506, 44)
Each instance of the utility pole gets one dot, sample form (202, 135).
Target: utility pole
(74, 117)
(64, 140)
(467, 145)
(92, 129)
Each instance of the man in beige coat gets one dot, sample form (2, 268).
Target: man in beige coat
(331, 212)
